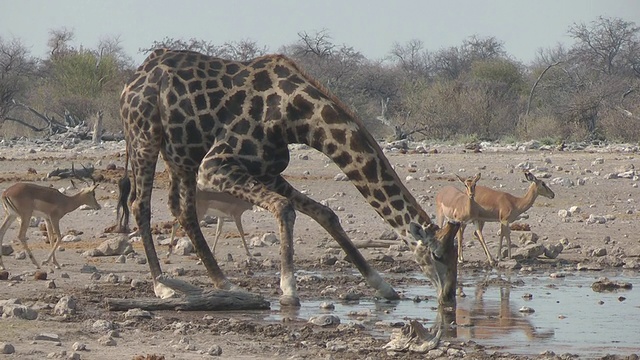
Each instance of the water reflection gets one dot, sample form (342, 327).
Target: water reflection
(477, 318)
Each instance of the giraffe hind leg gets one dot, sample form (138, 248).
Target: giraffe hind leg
(232, 179)
(189, 221)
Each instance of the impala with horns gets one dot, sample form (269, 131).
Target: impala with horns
(22, 200)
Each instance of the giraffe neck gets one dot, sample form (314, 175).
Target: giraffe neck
(337, 133)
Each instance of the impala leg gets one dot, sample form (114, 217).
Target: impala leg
(22, 236)
(219, 224)
(173, 240)
(8, 220)
(478, 233)
(57, 239)
(460, 233)
(238, 220)
(50, 235)
(505, 231)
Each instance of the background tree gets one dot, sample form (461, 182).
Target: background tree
(17, 72)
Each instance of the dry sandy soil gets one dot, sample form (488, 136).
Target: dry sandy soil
(256, 335)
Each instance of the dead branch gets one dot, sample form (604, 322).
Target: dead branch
(364, 244)
(210, 300)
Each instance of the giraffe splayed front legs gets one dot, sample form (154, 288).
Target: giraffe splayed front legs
(230, 123)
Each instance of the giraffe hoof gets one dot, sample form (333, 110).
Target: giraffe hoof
(290, 301)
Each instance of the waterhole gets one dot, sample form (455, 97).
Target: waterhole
(520, 314)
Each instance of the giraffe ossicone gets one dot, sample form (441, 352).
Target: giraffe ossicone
(224, 126)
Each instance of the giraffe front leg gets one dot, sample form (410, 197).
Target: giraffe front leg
(324, 216)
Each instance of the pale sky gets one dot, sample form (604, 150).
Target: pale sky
(370, 26)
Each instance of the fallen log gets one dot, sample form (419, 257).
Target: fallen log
(364, 244)
(209, 300)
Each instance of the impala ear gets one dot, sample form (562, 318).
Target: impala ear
(478, 175)
(529, 176)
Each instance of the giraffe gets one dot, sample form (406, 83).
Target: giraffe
(223, 125)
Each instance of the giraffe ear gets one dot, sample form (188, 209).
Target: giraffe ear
(417, 231)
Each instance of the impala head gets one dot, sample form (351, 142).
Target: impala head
(470, 184)
(542, 188)
(439, 264)
(88, 196)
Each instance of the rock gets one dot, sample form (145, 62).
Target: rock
(328, 259)
(389, 235)
(51, 284)
(6, 249)
(78, 346)
(112, 278)
(67, 305)
(325, 305)
(510, 264)
(183, 247)
(19, 311)
(48, 337)
(552, 251)
(115, 246)
(574, 210)
(214, 350)
(137, 313)
(604, 284)
(324, 320)
(6, 348)
(102, 326)
(4, 275)
(70, 238)
(40, 275)
(588, 267)
(270, 239)
(121, 259)
(88, 269)
(341, 177)
(526, 310)
(528, 238)
(597, 252)
(529, 252)
(596, 219)
(107, 341)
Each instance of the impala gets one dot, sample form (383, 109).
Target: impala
(502, 207)
(220, 205)
(22, 200)
(455, 205)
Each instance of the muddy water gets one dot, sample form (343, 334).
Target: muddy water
(562, 314)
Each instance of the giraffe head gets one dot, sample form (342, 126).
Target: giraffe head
(438, 258)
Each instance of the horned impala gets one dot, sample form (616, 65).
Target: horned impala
(502, 207)
(22, 200)
(456, 205)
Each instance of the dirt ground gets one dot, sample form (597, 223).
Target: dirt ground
(255, 335)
